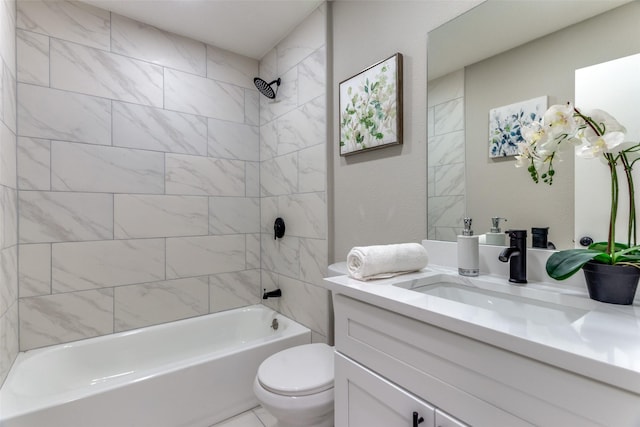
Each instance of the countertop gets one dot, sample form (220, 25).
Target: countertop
(600, 341)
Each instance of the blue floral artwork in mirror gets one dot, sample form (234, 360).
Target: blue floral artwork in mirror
(506, 122)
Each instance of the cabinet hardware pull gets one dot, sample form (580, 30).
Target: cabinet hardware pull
(417, 419)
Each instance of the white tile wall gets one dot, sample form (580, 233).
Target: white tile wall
(8, 276)
(63, 216)
(181, 298)
(71, 21)
(193, 94)
(34, 163)
(312, 167)
(9, 340)
(189, 256)
(228, 215)
(141, 216)
(279, 175)
(35, 270)
(55, 114)
(33, 58)
(7, 30)
(446, 157)
(302, 127)
(143, 173)
(206, 176)
(236, 289)
(233, 140)
(306, 213)
(71, 316)
(8, 216)
(230, 67)
(106, 263)
(86, 167)
(149, 128)
(138, 40)
(7, 156)
(77, 68)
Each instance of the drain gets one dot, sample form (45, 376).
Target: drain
(274, 324)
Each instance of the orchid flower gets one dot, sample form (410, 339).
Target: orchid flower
(599, 144)
(560, 120)
(601, 136)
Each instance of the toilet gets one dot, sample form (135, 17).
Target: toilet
(296, 386)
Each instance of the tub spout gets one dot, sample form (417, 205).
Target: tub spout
(272, 294)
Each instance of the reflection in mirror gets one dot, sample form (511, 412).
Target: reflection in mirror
(463, 180)
(620, 97)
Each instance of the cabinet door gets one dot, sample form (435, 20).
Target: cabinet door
(446, 420)
(364, 399)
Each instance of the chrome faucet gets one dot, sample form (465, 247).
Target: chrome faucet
(516, 256)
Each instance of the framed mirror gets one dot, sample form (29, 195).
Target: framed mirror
(473, 68)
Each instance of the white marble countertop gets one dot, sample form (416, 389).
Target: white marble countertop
(600, 341)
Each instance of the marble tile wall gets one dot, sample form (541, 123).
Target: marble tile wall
(138, 175)
(293, 175)
(9, 342)
(446, 157)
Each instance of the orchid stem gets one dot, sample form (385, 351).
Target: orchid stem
(631, 228)
(614, 207)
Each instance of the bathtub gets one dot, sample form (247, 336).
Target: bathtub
(193, 372)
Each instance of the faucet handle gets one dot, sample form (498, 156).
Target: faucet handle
(517, 234)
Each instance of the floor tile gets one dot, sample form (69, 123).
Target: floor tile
(246, 419)
(267, 419)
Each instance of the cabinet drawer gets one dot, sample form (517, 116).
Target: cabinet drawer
(364, 399)
(478, 383)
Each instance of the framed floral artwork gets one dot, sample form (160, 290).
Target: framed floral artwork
(506, 122)
(371, 107)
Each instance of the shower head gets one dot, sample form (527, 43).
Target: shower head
(265, 88)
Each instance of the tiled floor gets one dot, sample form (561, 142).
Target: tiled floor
(256, 417)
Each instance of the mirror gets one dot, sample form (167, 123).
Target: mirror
(620, 97)
(473, 68)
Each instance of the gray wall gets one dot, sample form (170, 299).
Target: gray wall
(379, 197)
(543, 67)
(8, 197)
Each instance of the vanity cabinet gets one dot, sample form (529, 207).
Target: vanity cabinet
(367, 399)
(446, 420)
(389, 365)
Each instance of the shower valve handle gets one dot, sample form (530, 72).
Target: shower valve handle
(278, 229)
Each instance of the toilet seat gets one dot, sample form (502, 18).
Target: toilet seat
(298, 371)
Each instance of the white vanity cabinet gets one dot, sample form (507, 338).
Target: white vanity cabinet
(446, 420)
(364, 399)
(389, 365)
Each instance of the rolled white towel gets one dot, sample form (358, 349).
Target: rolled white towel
(384, 261)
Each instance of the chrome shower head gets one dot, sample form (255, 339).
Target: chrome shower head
(265, 88)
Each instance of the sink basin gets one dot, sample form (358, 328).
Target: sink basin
(510, 306)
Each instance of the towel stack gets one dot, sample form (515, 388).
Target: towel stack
(384, 261)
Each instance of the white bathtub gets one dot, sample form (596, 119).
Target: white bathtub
(192, 372)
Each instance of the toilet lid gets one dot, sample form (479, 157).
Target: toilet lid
(298, 371)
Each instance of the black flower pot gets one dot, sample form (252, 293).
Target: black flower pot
(613, 284)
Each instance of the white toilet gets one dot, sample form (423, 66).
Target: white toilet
(296, 386)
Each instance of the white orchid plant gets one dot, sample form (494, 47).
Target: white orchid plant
(597, 135)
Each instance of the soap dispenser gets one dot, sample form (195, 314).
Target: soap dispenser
(468, 251)
(495, 236)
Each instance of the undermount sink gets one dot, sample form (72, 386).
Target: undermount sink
(514, 307)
